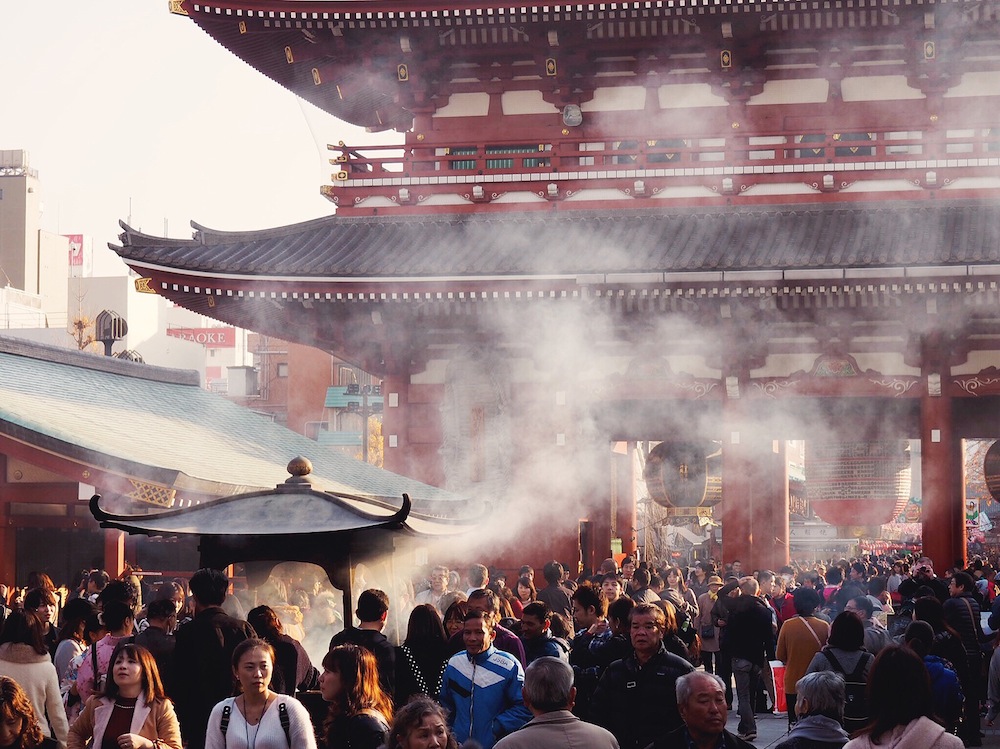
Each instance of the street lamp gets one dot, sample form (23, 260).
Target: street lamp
(364, 408)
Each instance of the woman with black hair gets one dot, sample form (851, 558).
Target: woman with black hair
(293, 671)
(845, 654)
(421, 659)
(947, 644)
(119, 619)
(258, 717)
(71, 642)
(800, 638)
(43, 604)
(899, 698)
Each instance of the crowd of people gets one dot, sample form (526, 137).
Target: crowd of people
(857, 653)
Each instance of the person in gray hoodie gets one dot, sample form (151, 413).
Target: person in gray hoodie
(820, 708)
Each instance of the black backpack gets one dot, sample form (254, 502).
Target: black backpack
(227, 713)
(856, 702)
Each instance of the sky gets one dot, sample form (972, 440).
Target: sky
(129, 112)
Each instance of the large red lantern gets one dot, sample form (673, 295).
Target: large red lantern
(991, 470)
(683, 474)
(857, 483)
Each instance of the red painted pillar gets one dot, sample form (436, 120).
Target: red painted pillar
(770, 521)
(114, 552)
(737, 488)
(625, 520)
(941, 466)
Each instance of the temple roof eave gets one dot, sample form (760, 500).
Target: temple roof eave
(587, 247)
(286, 511)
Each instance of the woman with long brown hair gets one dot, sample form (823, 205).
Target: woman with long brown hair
(19, 727)
(360, 711)
(133, 712)
(674, 580)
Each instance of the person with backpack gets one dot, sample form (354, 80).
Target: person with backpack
(258, 718)
(845, 653)
(202, 672)
(946, 689)
(902, 706)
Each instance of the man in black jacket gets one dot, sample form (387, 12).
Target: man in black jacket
(636, 698)
(701, 699)
(202, 672)
(372, 611)
(554, 595)
(751, 642)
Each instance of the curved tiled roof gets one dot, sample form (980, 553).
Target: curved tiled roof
(157, 425)
(583, 242)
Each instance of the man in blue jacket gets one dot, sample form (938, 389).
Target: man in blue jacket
(481, 686)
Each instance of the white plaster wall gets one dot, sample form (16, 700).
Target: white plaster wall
(686, 95)
(878, 88)
(525, 102)
(800, 91)
(616, 99)
(984, 83)
(978, 361)
(433, 373)
(465, 105)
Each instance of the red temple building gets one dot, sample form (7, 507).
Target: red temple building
(713, 225)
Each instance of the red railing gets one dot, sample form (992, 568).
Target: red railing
(885, 150)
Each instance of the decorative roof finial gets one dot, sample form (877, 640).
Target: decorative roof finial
(299, 468)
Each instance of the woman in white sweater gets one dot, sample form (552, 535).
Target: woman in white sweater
(258, 718)
(25, 659)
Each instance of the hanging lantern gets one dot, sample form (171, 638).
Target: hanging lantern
(676, 474)
(991, 469)
(857, 483)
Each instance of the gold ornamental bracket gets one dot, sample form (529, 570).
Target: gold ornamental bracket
(142, 286)
(152, 494)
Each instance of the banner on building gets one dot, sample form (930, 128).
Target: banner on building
(210, 337)
(75, 254)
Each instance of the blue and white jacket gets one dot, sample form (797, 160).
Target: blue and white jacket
(483, 695)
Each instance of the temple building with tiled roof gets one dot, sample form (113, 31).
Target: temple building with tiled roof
(602, 227)
(153, 441)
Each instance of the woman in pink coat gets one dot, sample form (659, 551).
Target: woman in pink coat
(133, 713)
(899, 696)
